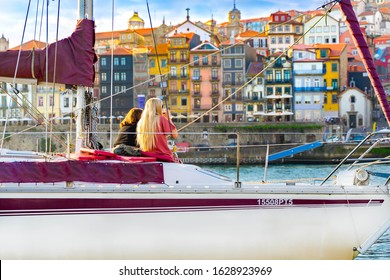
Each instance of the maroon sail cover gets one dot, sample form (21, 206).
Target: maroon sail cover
(361, 44)
(83, 171)
(75, 59)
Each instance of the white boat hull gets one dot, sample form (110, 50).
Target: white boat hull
(302, 230)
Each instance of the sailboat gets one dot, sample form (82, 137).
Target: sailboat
(97, 205)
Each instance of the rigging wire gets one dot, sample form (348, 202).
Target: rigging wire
(54, 72)
(112, 69)
(164, 93)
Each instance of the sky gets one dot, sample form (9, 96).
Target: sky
(13, 14)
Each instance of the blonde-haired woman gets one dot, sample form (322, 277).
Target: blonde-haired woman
(152, 130)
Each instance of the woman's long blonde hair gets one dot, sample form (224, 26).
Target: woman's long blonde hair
(147, 125)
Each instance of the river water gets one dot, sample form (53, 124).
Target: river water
(380, 250)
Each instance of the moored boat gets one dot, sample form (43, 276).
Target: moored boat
(97, 205)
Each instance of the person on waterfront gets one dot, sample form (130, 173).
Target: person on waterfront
(126, 141)
(153, 129)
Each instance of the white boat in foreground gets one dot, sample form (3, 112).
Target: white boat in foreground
(116, 209)
(97, 205)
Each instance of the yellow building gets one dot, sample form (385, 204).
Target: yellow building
(158, 68)
(179, 47)
(335, 74)
(48, 101)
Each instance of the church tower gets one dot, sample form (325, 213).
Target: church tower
(4, 44)
(135, 22)
(234, 25)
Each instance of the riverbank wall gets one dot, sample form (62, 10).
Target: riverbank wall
(205, 143)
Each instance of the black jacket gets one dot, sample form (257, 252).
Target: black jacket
(127, 135)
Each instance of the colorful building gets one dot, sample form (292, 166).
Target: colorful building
(179, 46)
(205, 73)
(335, 76)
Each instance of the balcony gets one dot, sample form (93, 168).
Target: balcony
(197, 78)
(184, 77)
(196, 94)
(214, 93)
(278, 81)
(173, 77)
(214, 79)
(153, 84)
(232, 83)
(310, 72)
(175, 91)
(307, 89)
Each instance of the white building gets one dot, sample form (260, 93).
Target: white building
(324, 31)
(355, 108)
(308, 75)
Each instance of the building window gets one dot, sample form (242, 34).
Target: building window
(307, 99)
(287, 40)
(123, 60)
(173, 71)
(297, 29)
(334, 67)
(183, 101)
(163, 63)
(280, 40)
(40, 101)
(123, 76)
(196, 74)
(66, 102)
(152, 63)
(103, 61)
(273, 40)
(298, 99)
(174, 101)
(323, 53)
(319, 29)
(104, 89)
(116, 89)
(353, 99)
(333, 28)
(228, 107)
(227, 63)
(238, 63)
(205, 60)
(104, 76)
(123, 88)
(214, 73)
(116, 76)
(287, 75)
(116, 61)
(183, 56)
(335, 84)
(334, 98)
(316, 99)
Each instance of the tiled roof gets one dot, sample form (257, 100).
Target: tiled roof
(30, 45)
(255, 68)
(106, 35)
(250, 34)
(161, 49)
(119, 51)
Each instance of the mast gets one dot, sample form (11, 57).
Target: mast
(364, 52)
(85, 10)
